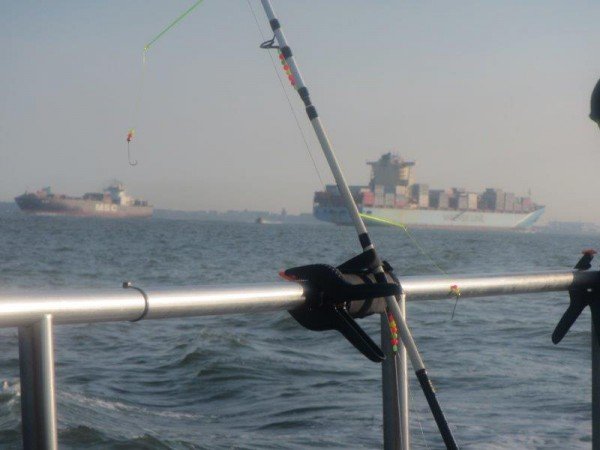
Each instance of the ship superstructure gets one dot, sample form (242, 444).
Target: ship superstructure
(393, 194)
(112, 202)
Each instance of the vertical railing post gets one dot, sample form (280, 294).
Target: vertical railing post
(38, 404)
(389, 385)
(595, 391)
(403, 385)
(29, 427)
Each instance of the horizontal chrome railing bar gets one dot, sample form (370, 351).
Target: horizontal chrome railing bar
(485, 285)
(23, 308)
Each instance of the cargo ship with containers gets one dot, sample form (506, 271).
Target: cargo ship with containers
(393, 195)
(113, 202)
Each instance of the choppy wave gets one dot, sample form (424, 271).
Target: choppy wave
(262, 381)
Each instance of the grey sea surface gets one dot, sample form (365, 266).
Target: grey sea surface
(263, 382)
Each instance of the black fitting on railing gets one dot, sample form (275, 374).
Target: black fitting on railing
(330, 292)
(578, 299)
(129, 285)
(595, 104)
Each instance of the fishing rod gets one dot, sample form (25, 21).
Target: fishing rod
(379, 273)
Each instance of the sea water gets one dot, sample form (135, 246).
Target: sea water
(261, 381)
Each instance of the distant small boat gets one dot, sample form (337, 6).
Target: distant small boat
(263, 221)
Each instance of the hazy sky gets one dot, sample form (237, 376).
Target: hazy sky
(480, 94)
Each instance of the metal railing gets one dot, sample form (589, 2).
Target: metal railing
(35, 314)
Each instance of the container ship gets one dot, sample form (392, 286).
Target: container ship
(112, 202)
(393, 195)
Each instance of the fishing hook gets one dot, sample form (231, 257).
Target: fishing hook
(131, 162)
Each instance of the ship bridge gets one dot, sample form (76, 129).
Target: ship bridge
(389, 171)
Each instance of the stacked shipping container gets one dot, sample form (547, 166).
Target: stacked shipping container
(392, 186)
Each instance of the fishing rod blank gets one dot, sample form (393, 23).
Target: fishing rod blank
(405, 335)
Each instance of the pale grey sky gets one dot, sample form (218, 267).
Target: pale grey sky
(480, 94)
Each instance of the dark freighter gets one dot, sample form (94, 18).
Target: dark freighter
(113, 202)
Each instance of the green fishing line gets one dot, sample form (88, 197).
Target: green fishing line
(454, 289)
(171, 25)
(138, 100)
(410, 236)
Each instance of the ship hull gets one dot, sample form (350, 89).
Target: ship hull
(431, 218)
(32, 204)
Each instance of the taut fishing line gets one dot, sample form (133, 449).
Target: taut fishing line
(454, 289)
(416, 412)
(328, 281)
(136, 107)
(415, 242)
(287, 96)
(410, 236)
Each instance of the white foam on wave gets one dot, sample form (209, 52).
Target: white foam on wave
(11, 387)
(94, 402)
